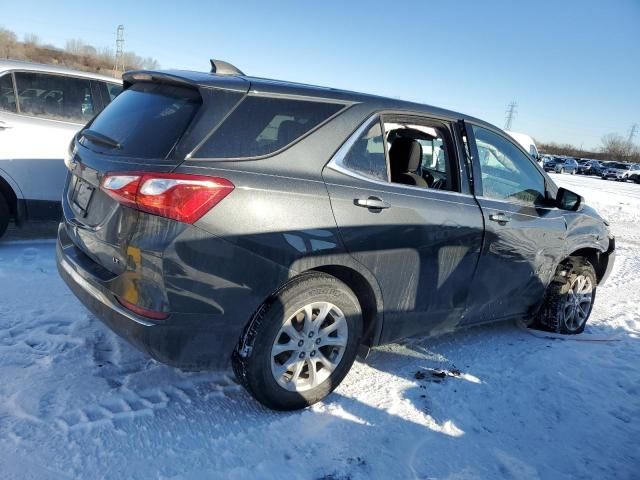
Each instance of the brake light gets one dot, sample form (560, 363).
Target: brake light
(143, 312)
(179, 196)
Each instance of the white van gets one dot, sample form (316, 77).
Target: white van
(527, 143)
(41, 109)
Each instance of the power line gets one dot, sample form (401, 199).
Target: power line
(510, 114)
(119, 59)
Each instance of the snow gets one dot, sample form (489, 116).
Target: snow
(489, 402)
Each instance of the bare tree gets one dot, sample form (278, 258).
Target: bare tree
(31, 39)
(7, 42)
(74, 46)
(76, 54)
(617, 147)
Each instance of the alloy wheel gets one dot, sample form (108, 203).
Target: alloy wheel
(309, 346)
(578, 302)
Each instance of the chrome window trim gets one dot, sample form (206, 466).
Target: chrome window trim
(303, 98)
(336, 164)
(44, 119)
(412, 194)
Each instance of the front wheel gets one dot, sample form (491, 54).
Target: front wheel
(569, 298)
(301, 343)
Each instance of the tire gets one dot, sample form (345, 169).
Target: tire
(255, 364)
(4, 215)
(562, 170)
(573, 172)
(559, 312)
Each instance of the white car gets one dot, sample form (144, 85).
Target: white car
(632, 174)
(617, 171)
(527, 143)
(41, 109)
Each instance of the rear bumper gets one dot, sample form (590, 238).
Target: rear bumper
(188, 341)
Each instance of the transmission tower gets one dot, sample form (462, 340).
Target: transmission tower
(632, 132)
(119, 60)
(510, 114)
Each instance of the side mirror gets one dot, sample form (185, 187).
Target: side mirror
(568, 200)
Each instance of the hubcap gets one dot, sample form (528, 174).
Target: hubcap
(309, 346)
(578, 302)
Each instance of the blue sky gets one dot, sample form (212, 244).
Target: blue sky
(572, 66)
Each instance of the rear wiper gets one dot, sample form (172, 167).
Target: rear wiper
(97, 137)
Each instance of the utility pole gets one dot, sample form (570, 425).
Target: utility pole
(119, 60)
(510, 114)
(632, 133)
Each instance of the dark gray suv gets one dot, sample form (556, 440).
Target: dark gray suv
(287, 228)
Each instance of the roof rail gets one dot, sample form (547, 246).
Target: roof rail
(220, 67)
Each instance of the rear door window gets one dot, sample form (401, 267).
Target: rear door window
(263, 125)
(147, 120)
(7, 94)
(55, 97)
(366, 157)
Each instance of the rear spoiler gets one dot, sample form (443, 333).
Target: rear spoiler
(135, 76)
(194, 80)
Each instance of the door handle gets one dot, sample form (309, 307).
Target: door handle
(373, 203)
(501, 218)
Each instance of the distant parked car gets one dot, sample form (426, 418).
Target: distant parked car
(568, 165)
(549, 163)
(41, 108)
(593, 167)
(632, 174)
(583, 165)
(616, 171)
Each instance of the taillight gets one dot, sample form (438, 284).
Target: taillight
(143, 312)
(178, 196)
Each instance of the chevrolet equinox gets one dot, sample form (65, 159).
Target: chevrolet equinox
(286, 228)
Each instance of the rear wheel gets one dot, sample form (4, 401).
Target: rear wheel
(4, 215)
(569, 298)
(301, 343)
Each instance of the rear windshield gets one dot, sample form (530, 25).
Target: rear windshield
(263, 125)
(147, 120)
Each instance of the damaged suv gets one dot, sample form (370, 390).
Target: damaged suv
(216, 217)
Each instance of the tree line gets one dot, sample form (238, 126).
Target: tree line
(76, 54)
(613, 147)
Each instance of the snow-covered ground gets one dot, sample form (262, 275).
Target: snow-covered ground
(77, 402)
